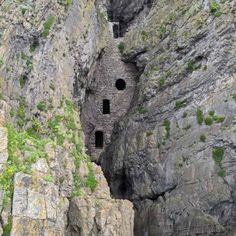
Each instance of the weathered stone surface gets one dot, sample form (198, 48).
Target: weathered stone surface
(163, 157)
(37, 207)
(95, 213)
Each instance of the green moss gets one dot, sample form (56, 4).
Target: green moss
(203, 138)
(179, 104)
(167, 128)
(121, 47)
(42, 106)
(47, 25)
(208, 120)
(200, 116)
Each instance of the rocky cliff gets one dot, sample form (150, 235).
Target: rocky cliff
(174, 153)
(169, 143)
(48, 184)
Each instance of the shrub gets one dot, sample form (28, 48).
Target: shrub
(200, 116)
(192, 66)
(167, 128)
(233, 95)
(180, 104)
(141, 110)
(23, 80)
(219, 119)
(218, 156)
(47, 25)
(208, 120)
(42, 106)
(215, 8)
(121, 47)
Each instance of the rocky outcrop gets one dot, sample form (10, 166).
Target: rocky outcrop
(174, 153)
(98, 214)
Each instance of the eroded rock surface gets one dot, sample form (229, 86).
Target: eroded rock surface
(174, 153)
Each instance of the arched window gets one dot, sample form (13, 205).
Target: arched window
(106, 107)
(99, 139)
(120, 84)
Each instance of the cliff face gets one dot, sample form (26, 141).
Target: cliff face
(47, 50)
(173, 154)
(169, 144)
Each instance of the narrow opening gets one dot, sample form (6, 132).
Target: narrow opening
(106, 106)
(120, 84)
(99, 139)
(116, 30)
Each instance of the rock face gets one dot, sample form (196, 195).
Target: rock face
(47, 52)
(98, 214)
(174, 153)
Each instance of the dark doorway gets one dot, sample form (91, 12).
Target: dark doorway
(120, 84)
(106, 106)
(99, 139)
(116, 30)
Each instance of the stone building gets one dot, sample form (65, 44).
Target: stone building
(108, 98)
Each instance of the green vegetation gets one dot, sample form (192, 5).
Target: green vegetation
(233, 95)
(192, 66)
(180, 104)
(47, 25)
(121, 47)
(42, 106)
(200, 116)
(203, 138)
(20, 113)
(215, 8)
(26, 147)
(91, 181)
(162, 81)
(219, 119)
(218, 156)
(208, 120)
(144, 35)
(23, 80)
(20, 142)
(162, 31)
(167, 128)
(7, 228)
(141, 110)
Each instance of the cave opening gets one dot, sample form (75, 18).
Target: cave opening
(99, 139)
(106, 107)
(120, 84)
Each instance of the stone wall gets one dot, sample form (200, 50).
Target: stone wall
(109, 69)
